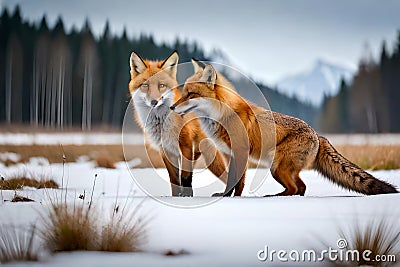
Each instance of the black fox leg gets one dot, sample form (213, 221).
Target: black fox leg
(186, 177)
(186, 181)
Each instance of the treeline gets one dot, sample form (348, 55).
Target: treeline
(370, 104)
(53, 78)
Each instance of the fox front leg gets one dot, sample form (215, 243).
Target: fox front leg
(186, 173)
(186, 188)
(232, 179)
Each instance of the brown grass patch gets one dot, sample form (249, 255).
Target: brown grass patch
(372, 157)
(72, 152)
(19, 181)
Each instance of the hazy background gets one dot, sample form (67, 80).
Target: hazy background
(336, 65)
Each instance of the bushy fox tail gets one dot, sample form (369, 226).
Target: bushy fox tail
(346, 174)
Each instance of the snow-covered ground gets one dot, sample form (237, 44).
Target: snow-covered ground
(72, 138)
(222, 232)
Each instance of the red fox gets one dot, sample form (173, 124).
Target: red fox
(294, 146)
(154, 88)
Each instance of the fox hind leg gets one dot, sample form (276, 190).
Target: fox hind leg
(285, 179)
(301, 186)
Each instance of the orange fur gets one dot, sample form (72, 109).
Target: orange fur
(289, 142)
(187, 130)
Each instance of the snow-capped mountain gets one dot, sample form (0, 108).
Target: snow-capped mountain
(225, 65)
(311, 85)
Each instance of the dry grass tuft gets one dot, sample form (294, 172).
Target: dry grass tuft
(381, 237)
(124, 232)
(18, 244)
(70, 227)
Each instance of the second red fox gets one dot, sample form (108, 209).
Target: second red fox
(292, 145)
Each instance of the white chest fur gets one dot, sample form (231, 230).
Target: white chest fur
(160, 126)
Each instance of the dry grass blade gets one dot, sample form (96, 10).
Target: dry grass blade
(18, 244)
(381, 237)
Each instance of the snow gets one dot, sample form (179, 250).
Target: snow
(321, 79)
(222, 232)
(75, 138)
(14, 157)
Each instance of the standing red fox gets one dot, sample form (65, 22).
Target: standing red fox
(295, 144)
(154, 88)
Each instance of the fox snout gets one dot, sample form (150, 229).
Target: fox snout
(176, 104)
(153, 102)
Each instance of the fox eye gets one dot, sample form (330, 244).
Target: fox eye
(144, 85)
(161, 86)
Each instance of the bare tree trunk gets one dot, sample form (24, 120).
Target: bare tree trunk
(9, 67)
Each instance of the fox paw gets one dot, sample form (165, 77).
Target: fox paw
(221, 194)
(186, 192)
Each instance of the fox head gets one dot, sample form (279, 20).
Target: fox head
(198, 89)
(152, 82)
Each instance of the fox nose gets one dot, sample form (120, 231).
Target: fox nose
(172, 107)
(153, 102)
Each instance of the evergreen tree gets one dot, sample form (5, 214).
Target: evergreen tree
(4, 33)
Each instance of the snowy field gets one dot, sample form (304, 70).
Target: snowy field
(222, 232)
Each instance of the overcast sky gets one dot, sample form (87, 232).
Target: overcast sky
(266, 39)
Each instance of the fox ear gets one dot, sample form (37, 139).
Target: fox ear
(209, 76)
(171, 63)
(198, 65)
(137, 64)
